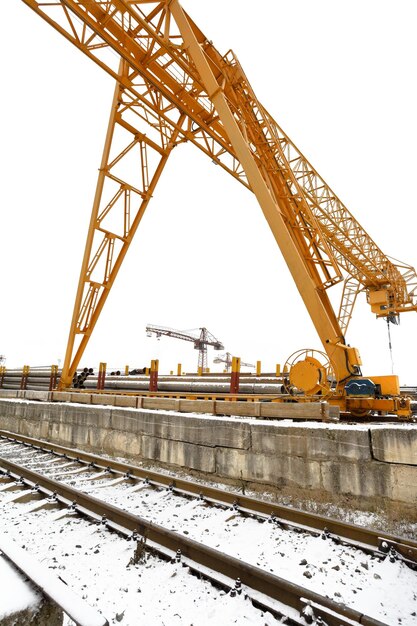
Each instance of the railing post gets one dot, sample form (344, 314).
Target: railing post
(153, 380)
(24, 379)
(126, 370)
(2, 373)
(278, 370)
(179, 369)
(101, 378)
(234, 377)
(258, 368)
(53, 378)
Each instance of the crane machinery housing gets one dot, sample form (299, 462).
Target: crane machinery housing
(174, 86)
(204, 339)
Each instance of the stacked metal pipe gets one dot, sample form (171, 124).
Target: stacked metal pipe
(37, 379)
(190, 384)
(79, 379)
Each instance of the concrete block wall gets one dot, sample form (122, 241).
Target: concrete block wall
(372, 463)
(302, 411)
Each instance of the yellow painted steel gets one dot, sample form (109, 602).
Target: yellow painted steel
(390, 385)
(172, 85)
(258, 368)
(309, 376)
(278, 370)
(273, 206)
(179, 369)
(235, 365)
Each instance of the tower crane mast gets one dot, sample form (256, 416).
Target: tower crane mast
(174, 86)
(204, 339)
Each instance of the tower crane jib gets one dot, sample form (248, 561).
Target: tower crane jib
(200, 341)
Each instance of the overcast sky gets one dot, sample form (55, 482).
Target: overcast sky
(339, 77)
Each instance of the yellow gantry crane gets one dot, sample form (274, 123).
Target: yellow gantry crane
(174, 86)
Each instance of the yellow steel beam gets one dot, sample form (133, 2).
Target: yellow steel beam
(95, 282)
(316, 301)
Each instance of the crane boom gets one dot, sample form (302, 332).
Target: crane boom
(171, 80)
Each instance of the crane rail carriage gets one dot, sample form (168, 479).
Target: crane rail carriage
(174, 86)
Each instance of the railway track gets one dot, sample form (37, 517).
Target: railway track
(81, 475)
(287, 517)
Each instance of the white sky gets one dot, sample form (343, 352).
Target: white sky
(339, 77)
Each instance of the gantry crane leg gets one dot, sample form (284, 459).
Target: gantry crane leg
(315, 299)
(119, 205)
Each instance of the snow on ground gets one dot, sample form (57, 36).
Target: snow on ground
(15, 593)
(383, 589)
(339, 572)
(100, 567)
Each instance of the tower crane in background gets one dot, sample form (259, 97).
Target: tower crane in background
(226, 358)
(174, 86)
(204, 339)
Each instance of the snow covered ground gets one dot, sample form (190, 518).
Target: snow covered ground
(16, 594)
(101, 567)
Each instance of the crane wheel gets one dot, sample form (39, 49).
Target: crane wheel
(310, 374)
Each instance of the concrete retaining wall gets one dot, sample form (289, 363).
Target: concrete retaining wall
(372, 464)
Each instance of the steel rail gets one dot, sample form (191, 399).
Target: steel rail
(361, 537)
(253, 578)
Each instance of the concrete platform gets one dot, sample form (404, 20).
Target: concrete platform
(372, 465)
(301, 411)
